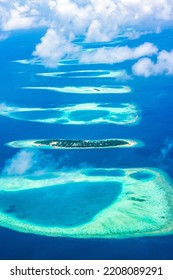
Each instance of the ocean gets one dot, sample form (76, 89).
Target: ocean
(154, 100)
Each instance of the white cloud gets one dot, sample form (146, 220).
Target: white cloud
(19, 23)
(167, 148)
(118, 54)
(146, 67)
(3, 36)
(53, 47)
(20, 163)
(96, 20)
(80, 16)
(32, 161)
(21, 14)
(95, 33)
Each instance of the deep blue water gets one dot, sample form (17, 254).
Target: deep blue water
(16, 245)
(155, 100)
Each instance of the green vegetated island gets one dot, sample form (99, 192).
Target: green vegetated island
(84, 143)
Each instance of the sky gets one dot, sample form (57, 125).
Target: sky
(94, 21)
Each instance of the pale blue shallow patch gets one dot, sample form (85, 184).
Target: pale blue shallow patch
(88, 115)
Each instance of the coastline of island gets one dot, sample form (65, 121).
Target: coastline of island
(75, 144)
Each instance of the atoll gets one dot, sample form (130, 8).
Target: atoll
(96, 203)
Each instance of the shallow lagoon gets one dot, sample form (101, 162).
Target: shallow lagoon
(66, 205)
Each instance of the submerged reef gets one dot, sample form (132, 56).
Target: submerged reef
(80, 114)
(89, 203)
(86, 90)
(85, 74)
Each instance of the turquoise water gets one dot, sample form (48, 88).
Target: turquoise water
(154, 99)
(142, 176)
(87, 115)
(84, 113)
(34, 115)
(64, 205)
(115, 173)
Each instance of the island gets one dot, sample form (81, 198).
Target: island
(108, 143)
(76, 144)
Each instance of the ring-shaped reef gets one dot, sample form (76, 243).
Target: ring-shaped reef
(89, 203)
(86, 90)
(75, 144)
(84, 74)
(79, 114)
